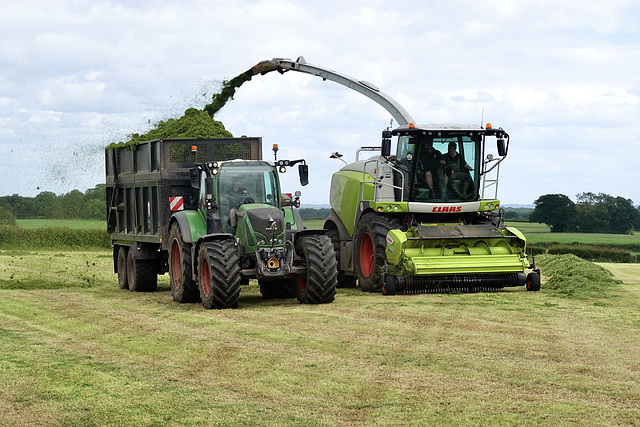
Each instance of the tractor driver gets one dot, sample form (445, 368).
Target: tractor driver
(235, 197)
(432, 161)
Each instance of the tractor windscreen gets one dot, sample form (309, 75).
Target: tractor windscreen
(247, 182)
(441, 168)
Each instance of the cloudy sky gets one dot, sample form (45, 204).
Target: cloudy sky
(562, 77)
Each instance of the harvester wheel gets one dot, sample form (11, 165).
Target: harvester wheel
(318, 284)
(371, 235)
(533, 281)
(121, 266)
(183, 288)
(219, 274)
(278, 289)
(344, 281)
(141, 274)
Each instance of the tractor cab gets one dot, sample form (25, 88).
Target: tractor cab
(245, 182)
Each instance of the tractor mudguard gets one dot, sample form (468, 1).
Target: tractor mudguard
(191, 223)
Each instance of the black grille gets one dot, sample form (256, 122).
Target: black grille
(262, 220)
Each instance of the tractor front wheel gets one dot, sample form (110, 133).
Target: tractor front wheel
(318, 284)
(370, 259)
(219, 274)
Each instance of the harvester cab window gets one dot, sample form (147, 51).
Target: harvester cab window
(441, 168)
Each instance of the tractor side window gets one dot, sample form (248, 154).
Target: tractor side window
(202, 195)
(270, 188)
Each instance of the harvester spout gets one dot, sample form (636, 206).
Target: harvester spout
(400, 115)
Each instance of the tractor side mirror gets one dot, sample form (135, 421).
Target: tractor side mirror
(502, 148)
(303, 171)
(385, 150)
(195, 178)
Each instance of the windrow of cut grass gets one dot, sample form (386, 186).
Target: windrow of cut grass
(572, 277)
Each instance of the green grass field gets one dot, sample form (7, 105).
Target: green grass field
(69, 223)
(77, 350)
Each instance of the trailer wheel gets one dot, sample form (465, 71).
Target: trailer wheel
(344, 281)
(533, 282)
(183, 288)
(141, 274)
(121, 267)
(278, 289)
(318, 284)
(219, 274)
(371, 234)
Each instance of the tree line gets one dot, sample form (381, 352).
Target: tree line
(593, 213)
(47, 205)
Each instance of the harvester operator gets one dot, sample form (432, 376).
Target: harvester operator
(432, 162)
(457, 177)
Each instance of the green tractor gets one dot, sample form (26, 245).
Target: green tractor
(426, 217)
(213, 225)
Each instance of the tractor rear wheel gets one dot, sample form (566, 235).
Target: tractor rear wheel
(141, 273)
(183, 288)
(121, 267)
(370, 259)
(219, 274)
(318, 284)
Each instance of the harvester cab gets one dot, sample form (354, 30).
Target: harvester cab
(447, 163)
(425, 218)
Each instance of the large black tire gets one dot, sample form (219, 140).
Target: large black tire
(278, 289)
(533, 282)
(141, 274)
(219, 274)
(318, 284)
(183, 288)
(344, 281)
(121, 267)
(370, 259)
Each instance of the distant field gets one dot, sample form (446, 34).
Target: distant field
(540, 233)
(69, 223)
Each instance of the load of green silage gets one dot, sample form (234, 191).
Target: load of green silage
(572, 277)
(194, 123)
